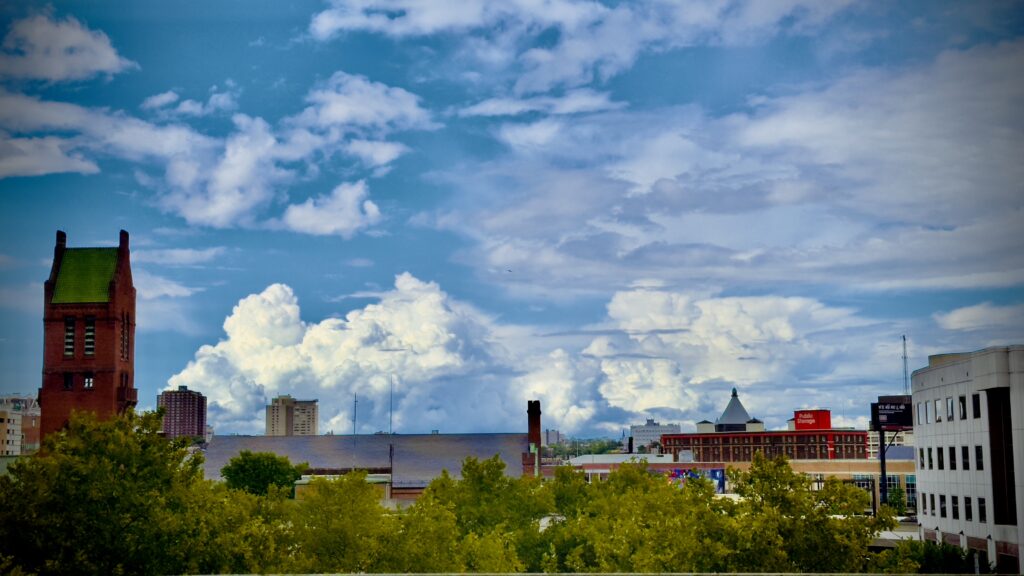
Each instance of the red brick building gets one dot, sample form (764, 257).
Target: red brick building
(736, 437)
(184, 412)
(88, 334)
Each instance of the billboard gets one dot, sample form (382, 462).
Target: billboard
(716, 475)
(812, 420)
(892, 415)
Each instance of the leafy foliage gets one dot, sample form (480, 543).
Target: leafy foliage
(256, 472)
(897, 500)
(115, 497)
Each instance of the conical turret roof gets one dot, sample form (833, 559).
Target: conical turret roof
(734, 413)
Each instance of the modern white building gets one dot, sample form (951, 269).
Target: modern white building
(646, 434)
(969, 435)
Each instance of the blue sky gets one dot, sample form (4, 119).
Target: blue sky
(623, 209)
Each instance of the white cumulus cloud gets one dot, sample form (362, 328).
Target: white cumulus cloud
(40, 47)
(345, 211)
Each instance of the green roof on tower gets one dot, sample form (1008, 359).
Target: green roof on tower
(85, 275)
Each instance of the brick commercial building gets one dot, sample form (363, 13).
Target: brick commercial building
(184, 412)
(736, 437)
(88, 334)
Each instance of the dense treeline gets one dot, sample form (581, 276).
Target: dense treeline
(116, 498)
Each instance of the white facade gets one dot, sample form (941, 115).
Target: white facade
(649, 433)
(10, 433)
(969, 435)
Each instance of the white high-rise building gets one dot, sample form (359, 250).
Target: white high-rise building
(646, 434)
(969, 435)
(287, 416)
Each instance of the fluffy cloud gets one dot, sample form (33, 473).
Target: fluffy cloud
(436, 346)
(38, 156)
(594, 41)
(229, 182)
(659, 352)
(984, 316)
(574, 102)
(343, 213)
(41, 48)
(159, 100)
(177, 256)
(859, 183)
(351, 102)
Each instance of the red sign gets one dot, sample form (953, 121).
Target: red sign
(813, 419)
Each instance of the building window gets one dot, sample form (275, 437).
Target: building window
(976, 402)
(955, 501)
(911, 488)
(920, 416)
(963, 407)
(982, 515)
(979, 459)
(927, 413)
(69, 381)
(930, 461)
(69, 336)
(87, 381)
(938, 410)
(965, 457)
(931, 503)
(952, 457)
(968, 513)
(942, 505)
(125, 325)
(938, 451)
(90, 336)
(949, 409)
(924, 503)
(920, 453)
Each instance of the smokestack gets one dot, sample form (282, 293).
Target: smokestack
(123, 241)
(533, 412)
(62, 239)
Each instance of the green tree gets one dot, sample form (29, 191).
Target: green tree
(787, 525)
(340, 526)
(638, 521)
(256, 472)
(116, 497)
(897, 500)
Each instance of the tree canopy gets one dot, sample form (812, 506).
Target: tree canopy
(256, 472)
(115, 497)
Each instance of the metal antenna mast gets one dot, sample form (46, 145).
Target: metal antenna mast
(906, 382)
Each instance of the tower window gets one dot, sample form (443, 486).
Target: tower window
(69, 381)
(69, 336)
(88, 381)
(90, 336)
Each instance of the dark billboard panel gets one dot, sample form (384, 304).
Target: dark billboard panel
(892, 415)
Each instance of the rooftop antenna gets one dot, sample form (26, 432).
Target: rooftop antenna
(391, 404)
(355, 413)
(906, 382)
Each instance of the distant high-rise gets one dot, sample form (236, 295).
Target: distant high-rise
(27, 410)
(287, 416)
(184, 412)
(88, 334)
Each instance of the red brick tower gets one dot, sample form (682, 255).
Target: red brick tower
(88, 334)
